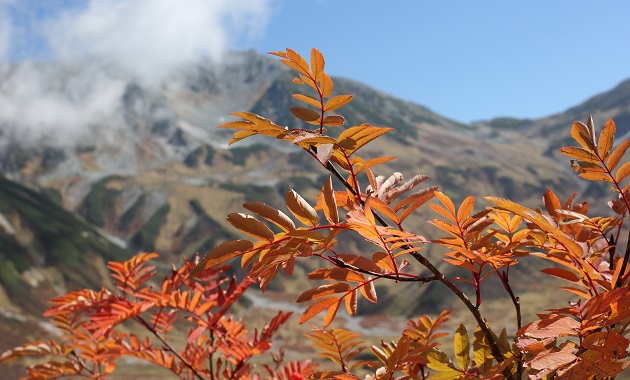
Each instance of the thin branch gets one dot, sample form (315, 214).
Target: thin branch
(168, 347)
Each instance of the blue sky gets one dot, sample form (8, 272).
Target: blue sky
(468, 60)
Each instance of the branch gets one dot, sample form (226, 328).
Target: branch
(168, 347)
(438, 275)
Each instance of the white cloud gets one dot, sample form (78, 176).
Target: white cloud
(151, 37)
(94, 43)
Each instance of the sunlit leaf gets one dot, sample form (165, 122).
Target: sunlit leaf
(617, 154)
(308, 100)
(222, 253)
(271, 214)
(301, 209)
(461, 345)
(582, 135)
(317, 64)
(579, 153)
(250, 226)
(606, 138)
(353, 138)
(337, 102)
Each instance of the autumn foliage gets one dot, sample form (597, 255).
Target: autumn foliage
(585, 339)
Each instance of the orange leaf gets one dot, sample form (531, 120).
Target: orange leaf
(579, 153)
(323, 291)
(563, 274)
(318, 307)
(351, 302)
(623, 172)
(552, 203)
(446, 201)
(221, 253)
(271, 214)
(326, 85)
(341, 274)
(383, 260)
(596, 176)
(301, 209)
(617, 154)
(337, 102)
(368, 291)
(353, 138)
(332, 311)
(606, 138)
(465, 209)
(582, 135)
(384, 209)
(330, 203)
(250, 225)
(317, 64)
(308, 100)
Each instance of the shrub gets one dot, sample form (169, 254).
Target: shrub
(583, 340)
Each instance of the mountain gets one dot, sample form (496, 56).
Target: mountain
(146, 166)
(45, 251)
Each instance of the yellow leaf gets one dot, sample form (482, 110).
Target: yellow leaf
(579, 153)
(298, 61)
(582, 135)
(250, 226)
(308, 100)
(482, 351)
(462, 347)
(337, 102)
(353, 138)
(271, 214)
(301, 209)
(221, 253)
(305, 114)
(618, 154)
(330, 203)
(606, 138)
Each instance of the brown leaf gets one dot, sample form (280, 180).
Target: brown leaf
(334, 121)
(305, 114)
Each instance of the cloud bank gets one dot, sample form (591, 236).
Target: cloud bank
(100, 45)
(151, 37)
